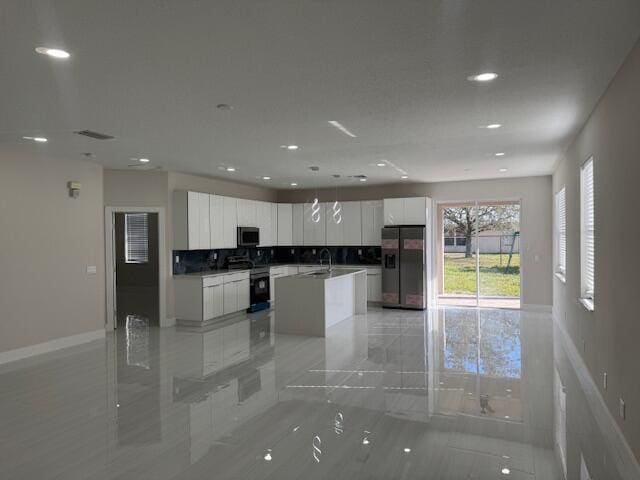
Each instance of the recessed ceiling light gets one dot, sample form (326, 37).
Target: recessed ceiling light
(294, 184)
(53, 52)
(500, 154)
(144, 160)
(381, 164)
(230, 169)
(407, 450)
(492, 126)
(502, 170)
(290, 147)
(483, 77)
(506, 471)
(404, 177)
(363, 179)
(36, 139)
(266, 178)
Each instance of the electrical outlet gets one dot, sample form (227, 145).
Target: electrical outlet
(272, 252)
(215, 255)
(177, 258)
(293, 251)
(313, 251)
(359, 251)
(92, 269)
(622, 409)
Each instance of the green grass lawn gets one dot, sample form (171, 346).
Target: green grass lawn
(460, 275)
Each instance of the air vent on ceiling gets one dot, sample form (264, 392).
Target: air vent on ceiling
(358, 176)
(95, 135)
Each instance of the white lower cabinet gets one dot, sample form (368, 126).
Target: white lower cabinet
(212, 302)
(374, 285)
(230, 299)
(243, 294)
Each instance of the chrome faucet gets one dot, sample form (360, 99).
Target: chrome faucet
(321, 252)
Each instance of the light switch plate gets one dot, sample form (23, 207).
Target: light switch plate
(177, 258)
(293, 251)
(359, 251)
(215, 255)
(92, 270)
(604, 380)
(313, 251)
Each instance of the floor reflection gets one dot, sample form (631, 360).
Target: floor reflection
(447, 394)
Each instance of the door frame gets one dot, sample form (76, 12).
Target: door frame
(439, 242)
(110, 262)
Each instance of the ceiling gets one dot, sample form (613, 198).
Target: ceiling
(393, 72)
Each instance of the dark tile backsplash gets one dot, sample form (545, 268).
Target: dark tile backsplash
(203, 260)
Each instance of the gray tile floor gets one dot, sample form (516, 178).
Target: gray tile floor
(444, 394)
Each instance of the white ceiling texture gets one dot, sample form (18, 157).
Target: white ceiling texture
(392, 72)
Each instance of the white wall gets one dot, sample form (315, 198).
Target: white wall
(612, 331)
(47, 240)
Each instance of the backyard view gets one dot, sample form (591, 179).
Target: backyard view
(495, 278)
(492, 231)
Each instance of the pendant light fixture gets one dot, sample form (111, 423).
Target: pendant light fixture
(337, 207)
(315, 206)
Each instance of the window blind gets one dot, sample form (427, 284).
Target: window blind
(587, 222)
(561, 231)
(136, 238)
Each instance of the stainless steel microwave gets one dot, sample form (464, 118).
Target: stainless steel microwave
(248, 236)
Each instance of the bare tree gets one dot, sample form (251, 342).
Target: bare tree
(463, 221)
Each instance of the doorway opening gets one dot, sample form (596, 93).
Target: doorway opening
(137, 271)
(135, 267)
(479, 261)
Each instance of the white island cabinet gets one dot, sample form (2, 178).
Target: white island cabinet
(310, 303)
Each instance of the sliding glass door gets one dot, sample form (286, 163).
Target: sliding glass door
(480, 257)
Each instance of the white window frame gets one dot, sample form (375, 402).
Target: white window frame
(561, 233)
(140, 254)
(587, 234)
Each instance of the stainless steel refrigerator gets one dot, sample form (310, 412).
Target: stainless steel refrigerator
(404, 267)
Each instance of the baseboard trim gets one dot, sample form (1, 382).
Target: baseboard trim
(50, 346)
(624, 458)
(169, 322)
(533, 307)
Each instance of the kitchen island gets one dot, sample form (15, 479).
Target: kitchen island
(310, 303)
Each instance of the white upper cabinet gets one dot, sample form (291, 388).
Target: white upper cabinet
(216, 221)
(274, 224)
(314, 232)
(405, 211)
(230, 222)
(297, 224)
(372, 222)
(334, 230)
(285, 224)
(263, 214)
(247, 213)
(349, 230)
(190, 228)
(352, 220)
(415, 211)
(204, 237)
(393, 211)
